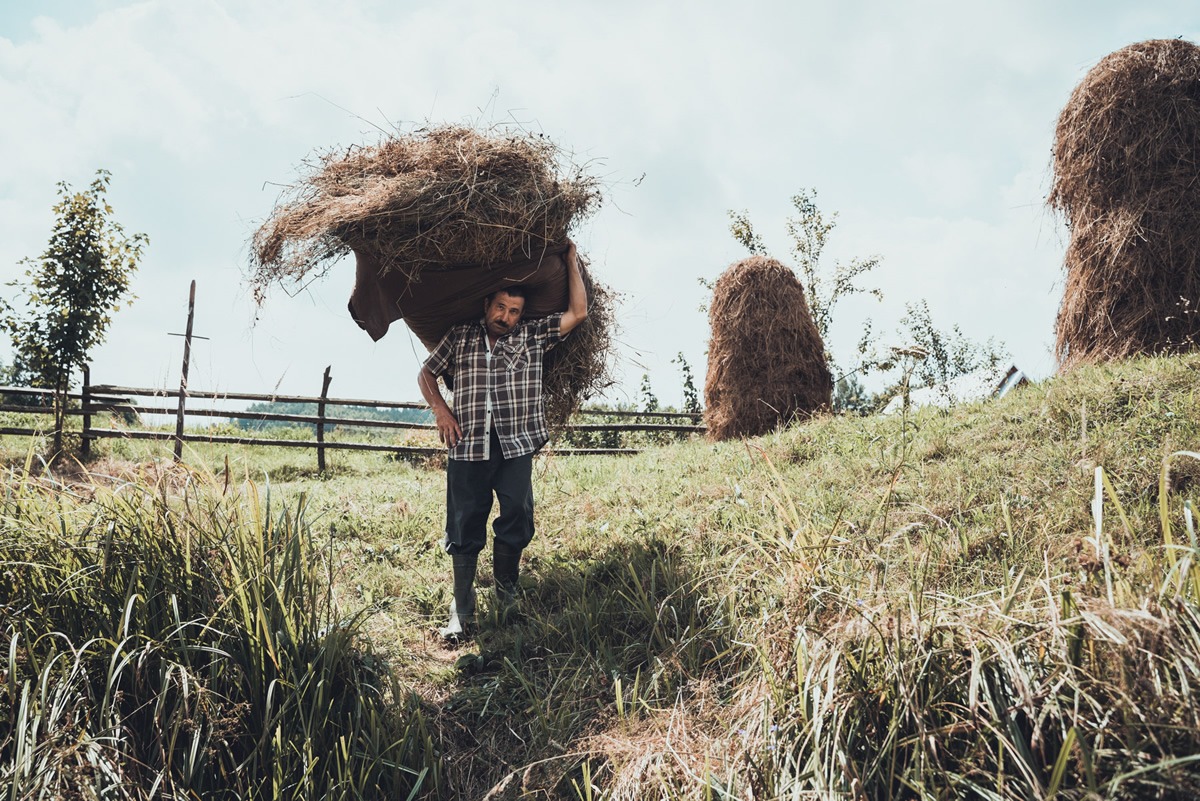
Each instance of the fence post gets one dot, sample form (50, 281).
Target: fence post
(321, 421)
(85, 400)
(187, 355)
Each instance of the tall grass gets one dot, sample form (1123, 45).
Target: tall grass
(965, 701)
(893, 652)
(170, 641)
(1035, 689)
(998, 601)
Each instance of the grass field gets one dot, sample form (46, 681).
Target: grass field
(999, 601)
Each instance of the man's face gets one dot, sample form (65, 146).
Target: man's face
(502, 312)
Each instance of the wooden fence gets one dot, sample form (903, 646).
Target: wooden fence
(96, 400)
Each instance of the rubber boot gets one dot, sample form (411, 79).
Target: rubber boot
(462, 608)
(506, 568)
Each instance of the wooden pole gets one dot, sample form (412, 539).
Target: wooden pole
(187, 355)
(85, 442)
(61, 387)
(321, 421)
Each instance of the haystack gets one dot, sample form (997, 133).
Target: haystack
(766, 360)
(1126, 167)
(437, 220)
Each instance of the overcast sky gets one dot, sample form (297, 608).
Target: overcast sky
(926, 125)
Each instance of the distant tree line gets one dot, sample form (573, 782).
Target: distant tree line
(352, 412)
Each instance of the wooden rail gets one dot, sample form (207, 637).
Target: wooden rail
(96, 399)
(110, 389)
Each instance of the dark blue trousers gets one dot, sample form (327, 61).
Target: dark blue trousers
(469, 490)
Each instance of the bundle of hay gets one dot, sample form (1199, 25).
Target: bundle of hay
(1126, 161)
(437, 220)
(438, 197)
(766, 360)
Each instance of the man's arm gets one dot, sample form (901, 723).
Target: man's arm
(576, 311)
(448, 428)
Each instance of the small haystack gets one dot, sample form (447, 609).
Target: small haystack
(438, 219)
(766, 360)
(1126, 162)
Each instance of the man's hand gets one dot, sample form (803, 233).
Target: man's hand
(448, 428)
(449, 431)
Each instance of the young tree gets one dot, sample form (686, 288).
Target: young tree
(944, 355)
(950, 353)
(932, 356)
(809, 231)
(691, 395)
(73, 288)
(649, 399)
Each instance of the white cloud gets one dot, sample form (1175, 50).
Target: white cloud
(926, 125)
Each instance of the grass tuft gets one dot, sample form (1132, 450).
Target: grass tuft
(163, 644)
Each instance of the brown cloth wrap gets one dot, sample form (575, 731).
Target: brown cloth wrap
(442, 297)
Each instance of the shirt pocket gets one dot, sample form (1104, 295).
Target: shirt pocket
(516, 361)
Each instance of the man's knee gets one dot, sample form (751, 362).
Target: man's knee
(468, 504)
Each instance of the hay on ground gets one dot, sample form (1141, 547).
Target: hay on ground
(1126, 161)
(766, 360)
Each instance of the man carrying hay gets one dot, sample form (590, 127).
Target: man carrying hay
(496, 425)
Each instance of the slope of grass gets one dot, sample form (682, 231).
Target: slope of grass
(999, 601)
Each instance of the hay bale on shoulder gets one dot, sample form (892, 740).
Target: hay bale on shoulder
(439, 197)
(438, 219)
(766, 360)
(1126, 157)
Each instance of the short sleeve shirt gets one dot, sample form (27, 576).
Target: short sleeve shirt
(498, 389)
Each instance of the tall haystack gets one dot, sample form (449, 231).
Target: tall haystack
(438, 219)
(766, 360)
(1127, 179)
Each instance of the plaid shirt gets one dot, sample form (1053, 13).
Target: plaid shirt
(501, 387)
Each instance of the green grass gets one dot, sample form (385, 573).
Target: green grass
(181, 642)
(910, 607)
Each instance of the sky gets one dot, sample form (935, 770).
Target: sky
(926, 127)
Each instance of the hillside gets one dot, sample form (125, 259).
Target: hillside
(930, 605)
(711, 586)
